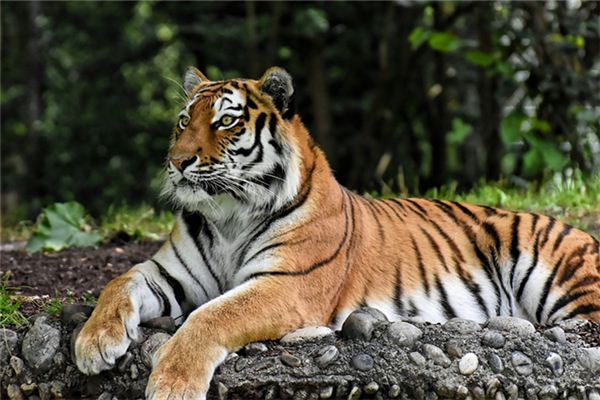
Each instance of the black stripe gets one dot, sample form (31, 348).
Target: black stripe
(534, 262)
(266, 248)
(466, 211)
(561, 236)
(388, 205)
(398, 291)
(250, 103)
(573, 266)
(317, 265)
(586, 281)
(373, 211)
(413, 311)
(420, 265)
(547, 232)
(417, 208)
(174, 283)
(399, 204)
(534, 221)
(546, 290)
(566, 299)
(515, 253)
(165, 305)
(436, 249)
(194, 223)
(491, 230)
(448, 310)
(186, 267)
(259, 125)
(449, 241)
(583, 309)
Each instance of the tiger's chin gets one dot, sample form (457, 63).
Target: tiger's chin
(197, 199)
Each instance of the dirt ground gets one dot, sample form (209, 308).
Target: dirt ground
(72, 272)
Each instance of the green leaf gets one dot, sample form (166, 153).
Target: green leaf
(418, 36)
(460, 131)
(444, 41)
(533, 162)
(553, 158)
(62, 225)
(511, 127)
(480, 58)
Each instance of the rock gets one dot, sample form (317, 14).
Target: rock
(515, 325)
(355, 393)
(8, 344)
(394, 391)
(326, 392)
(548, 392)
(59, 359)
(436, 355)
(105, 396)
(44, 391)
(522, 364)
(73, 314)
(468, 364)
(572, 325)
(462, 326)
(165, 323)
(133, 371)
(14, 393)
(359, 325)
(404, 334)
(555, 363)
(491, 387)
(556, 334)
(290, 360)
(478, 392)
(371, 388)
(40, 344)
(17, 365)
(589, 358)
(417, 358)
(57, 389)
(253, 349)
(493, 339)
(125, 362)
(594, 395)
(495, 363)
(362, 362)
(222, 391)
(150, 346)
(462, 392)
(326, 355)
(453, 349)
(375, 313)
(304, 334)
(28, 388)
(241, 364)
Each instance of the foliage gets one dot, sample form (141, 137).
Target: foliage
(62, 225)
(139, 223)
(9, 306)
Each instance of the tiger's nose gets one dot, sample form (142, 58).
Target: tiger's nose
(181, 163)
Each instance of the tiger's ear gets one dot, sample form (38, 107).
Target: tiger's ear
(191, 79)
(277, 84)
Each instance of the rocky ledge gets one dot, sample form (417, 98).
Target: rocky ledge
(370, 358)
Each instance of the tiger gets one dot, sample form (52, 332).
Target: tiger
(267, 242)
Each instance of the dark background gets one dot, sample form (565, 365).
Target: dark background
(403, 96)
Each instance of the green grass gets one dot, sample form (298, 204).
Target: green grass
(10, 306)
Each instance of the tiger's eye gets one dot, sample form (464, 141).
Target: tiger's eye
(185, 120)
(227, 120)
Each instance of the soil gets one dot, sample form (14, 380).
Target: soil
(70, 273)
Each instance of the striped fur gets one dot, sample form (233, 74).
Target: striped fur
(267, 242)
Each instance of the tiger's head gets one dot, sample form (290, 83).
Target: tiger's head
(233, 145)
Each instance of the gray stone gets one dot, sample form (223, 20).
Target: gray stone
(462, 326)
(436, 355)
(17, 365)
(496, 363)
(593, 395)
(150, 346)
(462, 392)
(59, 359)
(491, 387)
(290, 360)
(28, 388)
(354, 393)
(165, 323)
(417, 358)
(57, 389)
(105, 396)
(125, 362)
(133, 371)
(8, 344)
(326, 392)
(253, 349)
(404, 334)
(512, 391)
(453, 349)
(394, 391)
(478, 392)
(493, 339)
(44, 391)
(589, 358)
(468, 364)
(375, 313)
(359, 325)
(222, 391)
(371, 388)
(548, 392)
(241, 364)
(362, 362)
(326, 355)
(522, 364)
(14, 393)
(515, 325)
(573, 325)
(555, 363)
(556, 334)
(40, 344)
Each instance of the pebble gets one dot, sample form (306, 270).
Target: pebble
(59, 359)
(491, 387)
(462, 392)
(125, 362)
(522, 364)
(589, 358)
(304, 334)
(404, 334)
(150, 346)
(57, 389)
(8, 344)
(359, 325)
(493, 339)
(105, 396)
(326, 355)
(375, 313)
(133, 370)
(354, 393)
(462, 326)
(556, 334)
(512, 391)
(515, 325)
(394, 391)
(165, 323)
(14, 393)
(222, 391)
(72, 314)
(371, 388)
(495, 363)
(44, 391)
(326, 392)
(594, 395)
(453, 349)
(548, 392)
(468, 364)
(290, 360)
(253, 349)
(40, 344)
(555, 363)
(417, 358)
(436, 355)
(17, 364)
(362, 362)
(478, 392)
(28, 388)
(572, 325)
(241, 364)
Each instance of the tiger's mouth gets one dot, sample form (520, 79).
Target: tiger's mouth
(212, 187)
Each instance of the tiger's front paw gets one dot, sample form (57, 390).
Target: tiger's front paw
(182, 371)
(102, 341)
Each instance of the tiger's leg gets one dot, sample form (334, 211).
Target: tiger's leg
(142, 293)
(261, 309)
